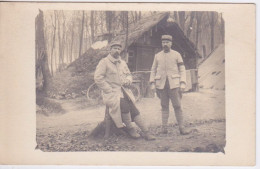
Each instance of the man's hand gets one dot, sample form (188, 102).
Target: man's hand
(182, 86)
(127, 83)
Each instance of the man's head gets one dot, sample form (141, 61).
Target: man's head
(166, 42)
(115, 49)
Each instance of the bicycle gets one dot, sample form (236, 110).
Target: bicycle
(94, 93)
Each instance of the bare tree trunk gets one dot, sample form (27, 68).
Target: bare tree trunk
(222, 29)
(81, 34)
(66, 50)
(192, 15)
(95, 24)
(126, 34)
(42, 54)
(175, 14)
(102, 22)
(53, 40)
(122, 16)
(59, 36)
(92, 26)
(204, 51)
(55, 60)
(63, 38)
(132, 15)
(109, 23)
(140, 15)
(212, 30)
(182, 19)
(198, 18)
(136, 16)
(86, 23)
(37, 64)
(72, 39)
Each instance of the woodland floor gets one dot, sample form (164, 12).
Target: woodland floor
(204, 112)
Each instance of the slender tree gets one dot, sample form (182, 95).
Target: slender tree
(53, 39)
(198, 27)
(64, 37)
(81, 34)
(140, 15)
(109, 15)
(126, 34)
(181, 15)
(60, 42)
(222, 29)
(72, 40)
(192, 15)
(102, 21)
(175, 14)
(41, 52)
(92, 26)
(212, 30)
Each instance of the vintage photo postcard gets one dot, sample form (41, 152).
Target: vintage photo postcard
(147, 84)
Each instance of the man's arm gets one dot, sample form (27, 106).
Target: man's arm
(182, 69)
(99, 77)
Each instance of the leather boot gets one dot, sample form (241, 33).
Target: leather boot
(147, 136)
(145, 133)
(184, 131)
(179, 118)
(165, 116)
(126, 118)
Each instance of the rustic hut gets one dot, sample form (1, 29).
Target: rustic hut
(143, 42)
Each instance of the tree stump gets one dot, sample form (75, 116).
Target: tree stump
(106, 128)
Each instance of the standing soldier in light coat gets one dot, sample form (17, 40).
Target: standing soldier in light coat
(168, 76)
(113, 76)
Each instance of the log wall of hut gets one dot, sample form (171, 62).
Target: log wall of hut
(141, 53)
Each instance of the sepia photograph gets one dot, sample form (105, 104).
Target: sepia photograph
(151, 81)
(128, 84)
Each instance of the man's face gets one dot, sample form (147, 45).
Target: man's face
(115, 51)
(166, 44)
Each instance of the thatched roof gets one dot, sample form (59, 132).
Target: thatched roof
(138, 29)
(88, 61)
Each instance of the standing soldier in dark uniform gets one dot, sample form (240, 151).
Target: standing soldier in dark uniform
(168, 76)
(113, 76)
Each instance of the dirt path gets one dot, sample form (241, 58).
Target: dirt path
(203, 111)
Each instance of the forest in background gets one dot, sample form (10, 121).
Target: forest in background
(63, 36)
(68, 34)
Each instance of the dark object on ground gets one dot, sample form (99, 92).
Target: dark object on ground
(47, 106)
(106, 128)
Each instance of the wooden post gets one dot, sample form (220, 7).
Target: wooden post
(107, 123)
(204, 51)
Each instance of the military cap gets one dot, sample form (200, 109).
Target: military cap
(115, 43)
(167, 37)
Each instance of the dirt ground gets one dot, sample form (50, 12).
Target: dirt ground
(204, 113)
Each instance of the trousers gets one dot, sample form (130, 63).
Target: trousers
(127, 106)
(166, 94)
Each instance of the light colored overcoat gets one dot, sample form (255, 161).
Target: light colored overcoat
(110, 75)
